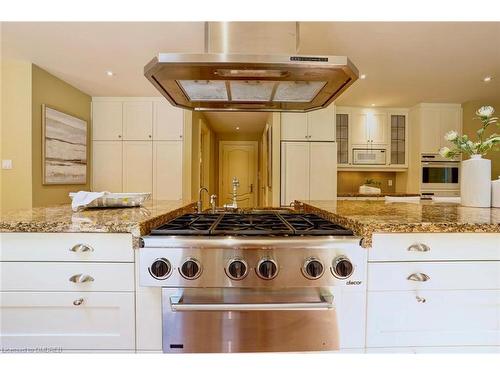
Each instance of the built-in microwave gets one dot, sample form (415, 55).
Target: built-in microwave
(368, 156)
(439, 176)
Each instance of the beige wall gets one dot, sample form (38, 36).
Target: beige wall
(470, 125)
(349, 182)
(57, 94)
(16, 134)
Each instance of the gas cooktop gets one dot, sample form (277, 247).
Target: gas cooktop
(251, 224)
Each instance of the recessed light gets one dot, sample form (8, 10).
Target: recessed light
(362, 76)
(237, 128)
(373, 105)
(109, 73)
(487, 79)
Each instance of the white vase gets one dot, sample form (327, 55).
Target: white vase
(475, 182)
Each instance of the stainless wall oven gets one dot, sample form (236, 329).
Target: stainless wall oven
(439, 176)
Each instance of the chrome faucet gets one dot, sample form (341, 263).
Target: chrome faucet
(199, 204)
(234, 203)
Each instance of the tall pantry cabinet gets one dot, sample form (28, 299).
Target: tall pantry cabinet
(137, 146)
(308, 156)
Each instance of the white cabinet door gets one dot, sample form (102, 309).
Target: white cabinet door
(107, 166)
(430, 128)
(137, 121)
(323, 171)
(106, 121)
(167, 170)
(67, 320)
(321, 124)
(377, 128)
(359, 129)
(168, 122)
(137, 166)
(433, 318)
(295, 171)
(294, 127)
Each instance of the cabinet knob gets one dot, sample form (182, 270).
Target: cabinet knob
(119, 136)
(420, 299)
(149, 136)
(81, 248)
(420, 247)
(78, 302)
(180, 136)
(81, 278)
(422, 277)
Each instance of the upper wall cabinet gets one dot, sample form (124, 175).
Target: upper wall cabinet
(137, 121)
(369, 128)
(434, 121)
(168, 122)
(107, 118)
(312, 126)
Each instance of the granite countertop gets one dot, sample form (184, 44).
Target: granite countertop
(135, 220)
(381, 195)
(365, 217)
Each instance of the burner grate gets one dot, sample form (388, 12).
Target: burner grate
(189, 224)
(313, 225)
(252, 225)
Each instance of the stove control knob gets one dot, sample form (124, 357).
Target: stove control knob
(342, 267)
(160, 269)
(190, 269)
(313, 268)
(267, 269)
(237, 269)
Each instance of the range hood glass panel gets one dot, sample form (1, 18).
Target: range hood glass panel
(298, 91)
(251, 91)
(201, 90)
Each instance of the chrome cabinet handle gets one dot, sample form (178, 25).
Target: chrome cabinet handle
(78, 302)
(418, 277)
(420, 247)
(81, 278)
(81, 248)
(421, 299)
(326, 303)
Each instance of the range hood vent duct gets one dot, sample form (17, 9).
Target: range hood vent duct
(236, 74)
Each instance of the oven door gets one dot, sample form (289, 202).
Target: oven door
(440, 176)
(226, 320)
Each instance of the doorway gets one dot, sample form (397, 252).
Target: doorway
(238, 159)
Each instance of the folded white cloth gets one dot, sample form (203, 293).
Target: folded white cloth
(415, 199)
(364, 189)
(446, 199)
(83, 198)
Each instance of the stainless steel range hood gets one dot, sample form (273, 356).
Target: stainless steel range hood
(250, 82)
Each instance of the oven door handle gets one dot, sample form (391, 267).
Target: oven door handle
(326, 303)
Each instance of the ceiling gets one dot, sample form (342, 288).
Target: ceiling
(248, 122)
(405, 63)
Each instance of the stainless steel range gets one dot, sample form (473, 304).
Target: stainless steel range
(264, 282)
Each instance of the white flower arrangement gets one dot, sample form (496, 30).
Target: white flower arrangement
(464, 145)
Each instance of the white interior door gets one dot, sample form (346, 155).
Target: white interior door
(323, 171)
(238, 159)
(137, 166)
(107, 166)
(167, 170)
(294, 171)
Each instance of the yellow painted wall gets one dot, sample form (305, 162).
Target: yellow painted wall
(16, 134)
(349, 182)
(470, 126)
(57, 94)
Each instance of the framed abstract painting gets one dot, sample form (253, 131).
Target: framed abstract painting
(64, 148)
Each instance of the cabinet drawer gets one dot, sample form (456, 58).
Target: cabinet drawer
(434, 246)
(103, 321)
(446, 318)
(55, 276)
(66, 247)
(434, 275)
